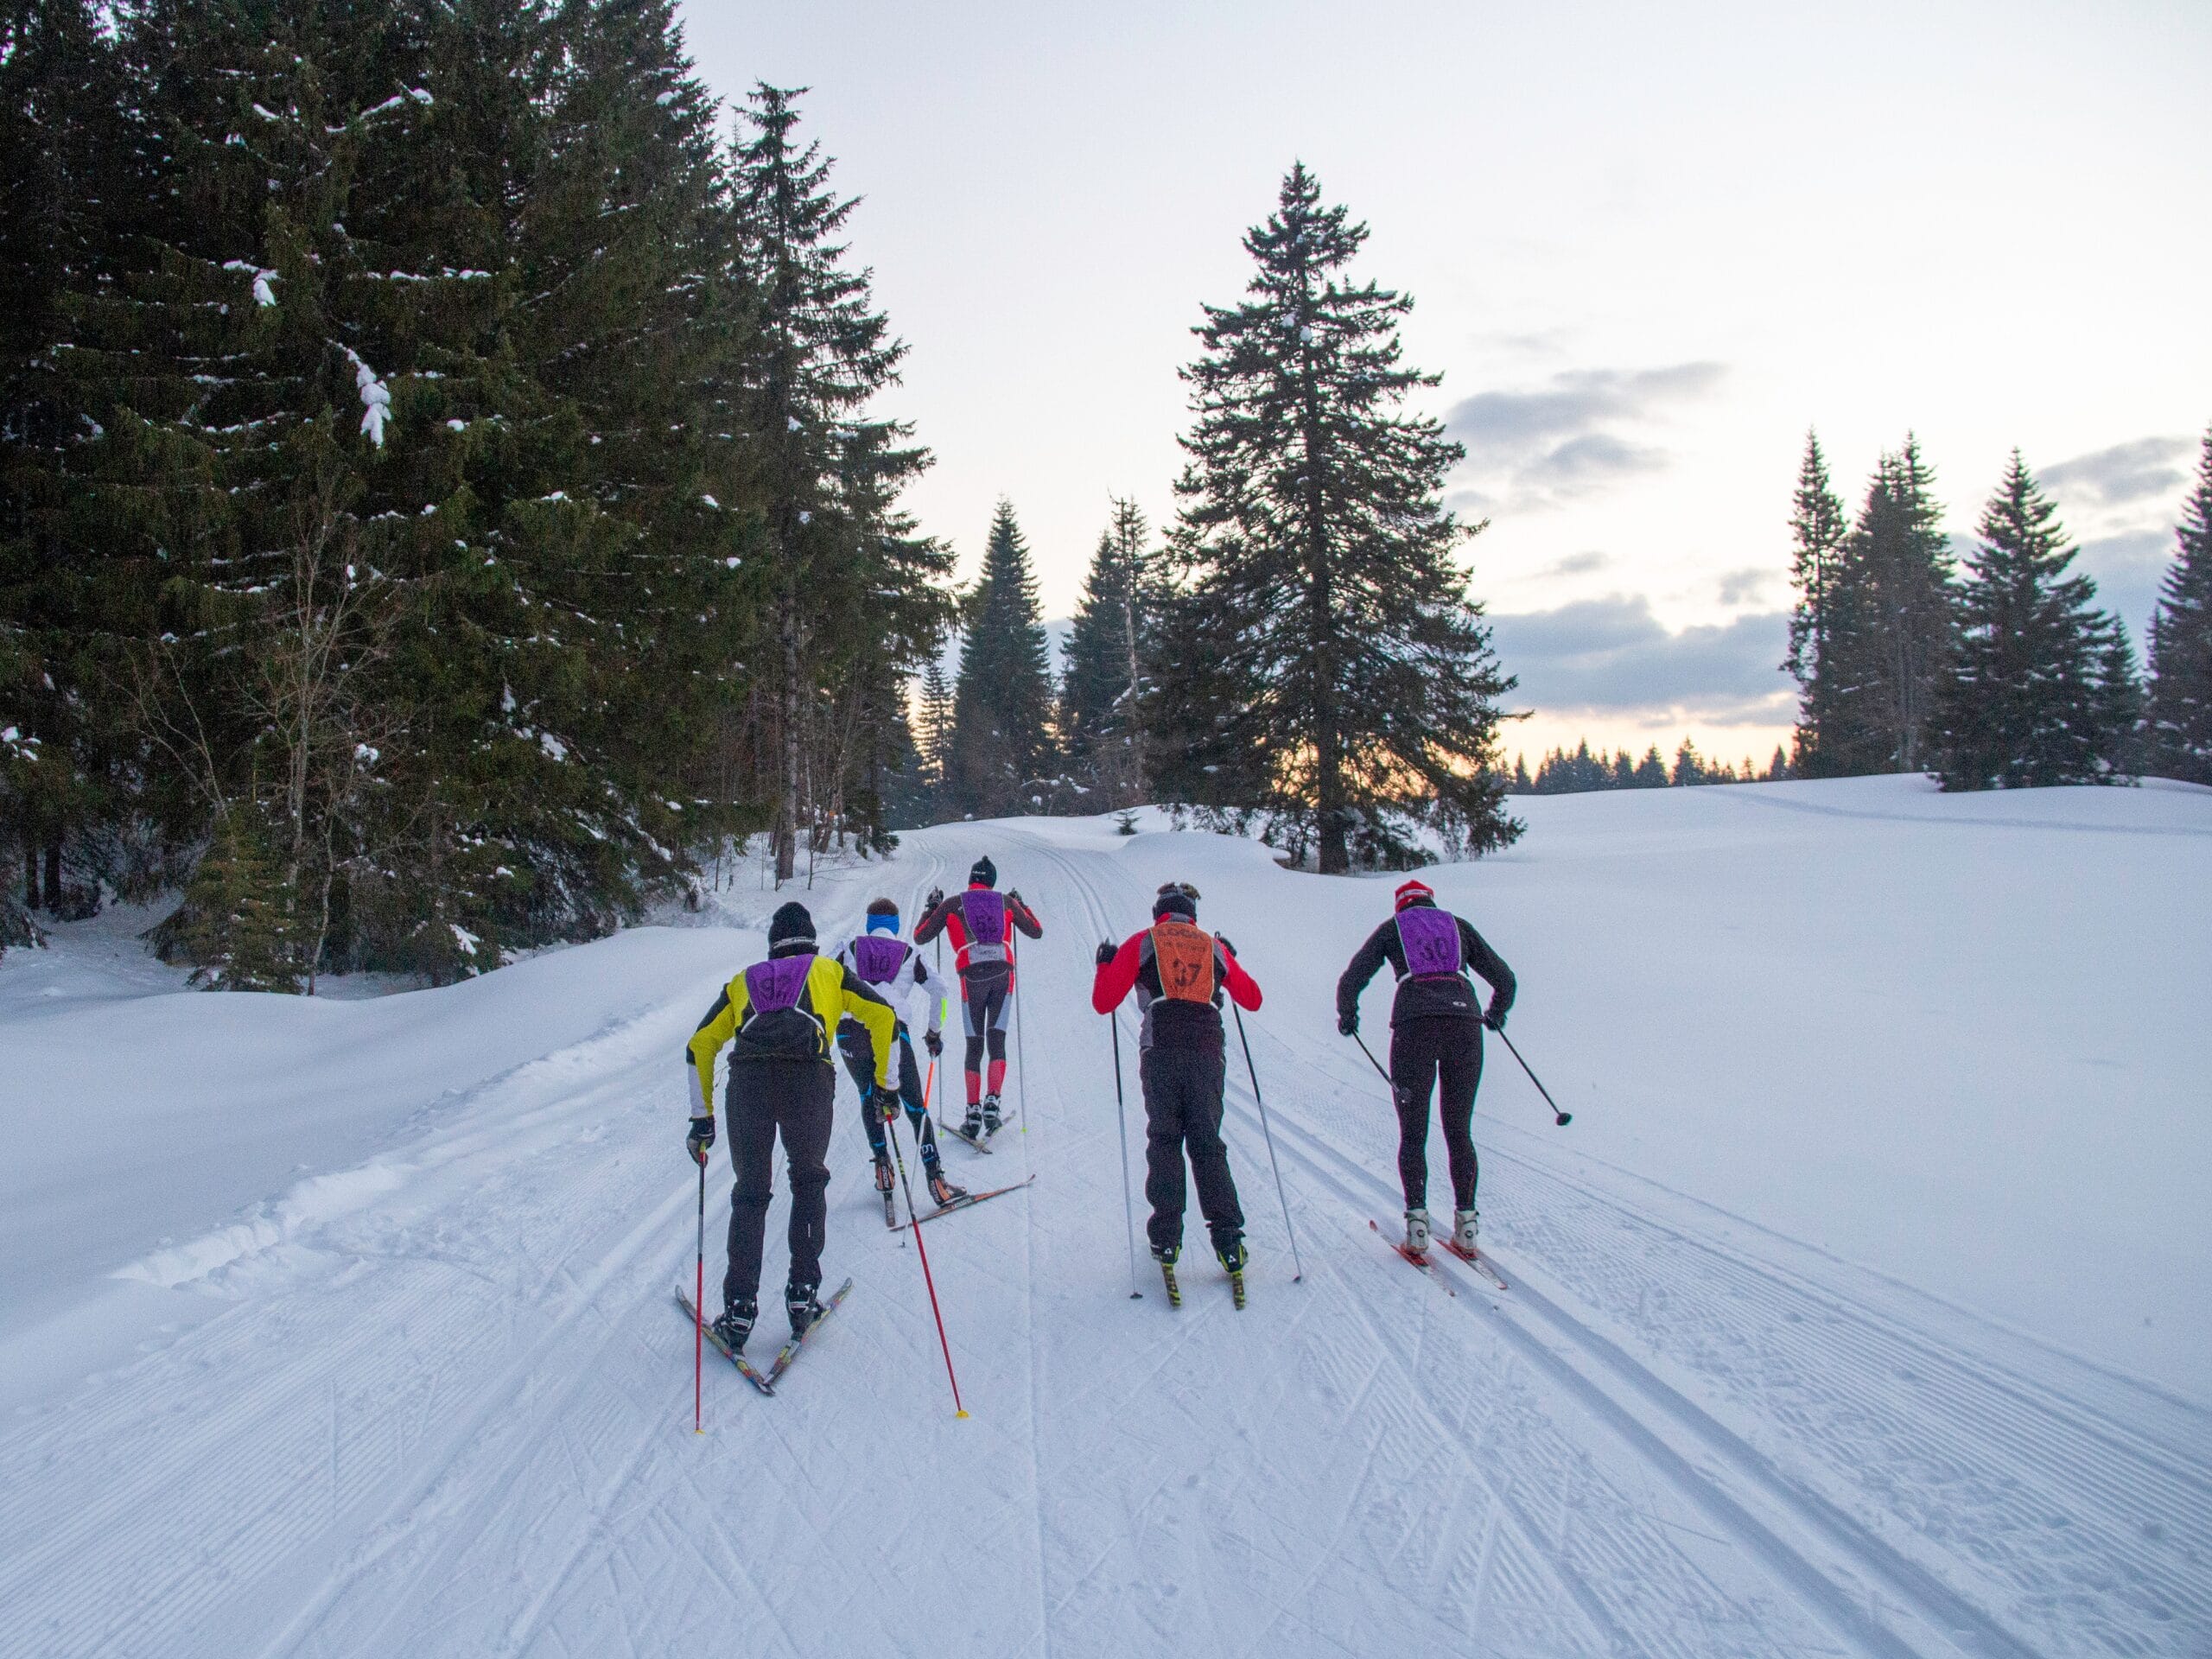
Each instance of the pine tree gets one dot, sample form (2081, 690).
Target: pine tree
(2030, 698)
(1002, 704)
(1111, 639)
(1651, 771)
(934, 735)
(1317, 559)
(825, 474)
(1818, 528)
(1890, 626)
(2179, 715)
(73, 176)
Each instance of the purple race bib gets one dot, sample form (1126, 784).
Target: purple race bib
(773, 987)
(1430, 939)
(877, 958)
(984, 910)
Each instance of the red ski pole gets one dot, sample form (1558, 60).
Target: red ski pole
(699, 1316)
(923, 1249)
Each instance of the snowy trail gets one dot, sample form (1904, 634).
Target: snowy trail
(451, 1416)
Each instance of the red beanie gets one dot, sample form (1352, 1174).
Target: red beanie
(1412, 890)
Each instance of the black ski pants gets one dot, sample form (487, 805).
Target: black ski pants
(1441, 1053)
(796, 1098)
(1182, 1111)
(859, 1050)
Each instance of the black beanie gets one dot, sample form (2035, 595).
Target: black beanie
(790, 931)
(985, 872)
(1175, 902)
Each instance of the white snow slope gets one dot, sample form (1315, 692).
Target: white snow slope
(1866, 1308)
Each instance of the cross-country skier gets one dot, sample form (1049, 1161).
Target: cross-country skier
(980, 924)
(894, 971)
(1436, 1043)
(1178, 972)
(776, 1017)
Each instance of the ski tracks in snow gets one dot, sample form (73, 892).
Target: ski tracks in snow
(452, 1418)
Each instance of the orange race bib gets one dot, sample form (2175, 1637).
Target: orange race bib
(1184, 955)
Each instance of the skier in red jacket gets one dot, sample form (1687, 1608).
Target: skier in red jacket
(1178, 972)
(981, 923)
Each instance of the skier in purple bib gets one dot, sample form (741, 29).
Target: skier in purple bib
(894, 971)
(1436, 1042)
(775, 1019)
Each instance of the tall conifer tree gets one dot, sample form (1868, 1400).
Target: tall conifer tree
(1108, 644)
(825, 472)
(2179, 726)
(1002, 703)
(1326, 664)
(1818, 528)
(1890, 628)
(2028, 699)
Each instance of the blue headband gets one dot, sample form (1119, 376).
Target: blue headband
(883, 923)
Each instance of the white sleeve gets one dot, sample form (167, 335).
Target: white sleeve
(933, 984)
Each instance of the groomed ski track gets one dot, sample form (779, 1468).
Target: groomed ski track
(453, 1417)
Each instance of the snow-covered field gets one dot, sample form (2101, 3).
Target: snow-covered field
(1864, 1308)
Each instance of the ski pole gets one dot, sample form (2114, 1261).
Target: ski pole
(1020, 1065)
(1257, 1100)
(699, 1316)
(1122, 1113)
(1562, 1119)
(914, 1223)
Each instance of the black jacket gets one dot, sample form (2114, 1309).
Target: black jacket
(1431, 996)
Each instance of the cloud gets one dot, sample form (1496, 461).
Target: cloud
(2133, 471)
(1580, 564)
(1534, 448)
(1741, 586)
(2128, 569)
(1613, 656)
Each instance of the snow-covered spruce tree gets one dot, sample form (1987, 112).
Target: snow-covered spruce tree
(1109, 643)
(1323, 663)
(2178, 728)
(933, 726)
(71, 179)
(842, 577)
(389, 605)
(1003, 701)
(1891, 626)
(2027, 699)
(1818, 528)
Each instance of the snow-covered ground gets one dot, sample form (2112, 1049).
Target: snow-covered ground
(1864, 1308)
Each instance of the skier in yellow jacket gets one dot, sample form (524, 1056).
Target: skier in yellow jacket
(778, 1018)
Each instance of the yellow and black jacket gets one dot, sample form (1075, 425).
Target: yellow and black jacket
(786, 1008)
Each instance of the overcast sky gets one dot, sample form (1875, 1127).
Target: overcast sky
(1649, 247)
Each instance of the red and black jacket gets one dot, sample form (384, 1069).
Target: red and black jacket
(1184, 1012)
(979, 957)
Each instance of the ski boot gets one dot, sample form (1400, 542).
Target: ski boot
(1165, 1254)
(1416, 1232)
(1465, 1223)
(1229, 1249)
(991, 1118)
(943, 1191)
(884, 1179)
(803, 1304)
(971, 1126)
(735, 1323)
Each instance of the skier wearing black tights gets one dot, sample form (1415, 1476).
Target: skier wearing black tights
(1436, 1043)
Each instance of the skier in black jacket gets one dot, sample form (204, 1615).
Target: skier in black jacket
(1436, 1042)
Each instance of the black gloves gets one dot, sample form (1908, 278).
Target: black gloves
(887, 1103)
(1222, 939)
(1496, 1018)
(1348, 1024)
(700, 1138)
(1013, 897)
(934, 1043)
(1107, 953)
(936, 898)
